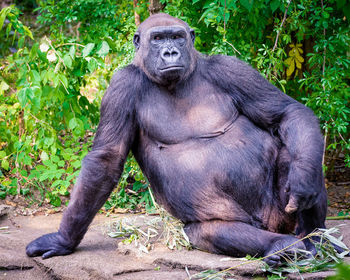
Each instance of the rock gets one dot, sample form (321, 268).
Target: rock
(102, 257)
(4, 209)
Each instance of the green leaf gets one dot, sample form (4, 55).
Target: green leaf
(88, 48)
(248, 4)
(55, 201)
(35, 76)
(73, 123)
(77, 126)
(28, 32)
(2, 154)
(3, 86)
(22, 97)
(21, 42)
(30, 93)
(3, 14)
(55, 79)
(274, 5)
(44, 156)
(34, 51)
(56, 183)
(55, 158)
(103, 50)
(12, 191)
(67, 60)
(72, 52)
(49, 141)
(5, 164)
(92, 65)
(64, 80)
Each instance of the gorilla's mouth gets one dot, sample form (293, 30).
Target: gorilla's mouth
(171, 68)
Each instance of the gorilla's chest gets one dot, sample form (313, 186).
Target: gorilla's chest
(173, 117)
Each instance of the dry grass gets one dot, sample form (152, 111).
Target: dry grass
(145, 233)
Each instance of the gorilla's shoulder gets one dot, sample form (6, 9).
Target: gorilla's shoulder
(224, 61)
(130, 78)
(223, 69)
(127, 73)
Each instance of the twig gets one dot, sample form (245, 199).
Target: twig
(282, 23)
(324, 51)
(339, 218)
(324, 88)
(188, 273)
(343, 183)
(225, 41)
(278, 34)
(70, 44)
(324, 145)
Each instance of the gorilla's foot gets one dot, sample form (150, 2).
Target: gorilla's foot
(282, 248)
(309, 244)
(48, 245)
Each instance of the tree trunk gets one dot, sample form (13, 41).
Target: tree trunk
(137, 16)
(155, 7)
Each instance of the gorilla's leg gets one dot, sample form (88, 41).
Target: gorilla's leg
(240, 239)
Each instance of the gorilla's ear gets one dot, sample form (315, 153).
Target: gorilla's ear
(193, 35)
(136, 40)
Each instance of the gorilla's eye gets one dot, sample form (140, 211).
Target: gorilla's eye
(157, 38)
(176, 37)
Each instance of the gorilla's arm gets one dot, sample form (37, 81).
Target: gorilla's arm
(291, 121)
(101, 168)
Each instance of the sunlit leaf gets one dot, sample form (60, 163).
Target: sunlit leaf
(103, 50)
(291, 68)
(5, 164)
(88, 48)
(67, 60)
(92, 65)
(72, 52)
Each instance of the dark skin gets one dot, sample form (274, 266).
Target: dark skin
(237, 160)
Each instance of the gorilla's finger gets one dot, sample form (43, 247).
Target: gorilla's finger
(49, 254)
(292, 205)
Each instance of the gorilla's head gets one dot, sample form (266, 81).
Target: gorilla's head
(164, 49)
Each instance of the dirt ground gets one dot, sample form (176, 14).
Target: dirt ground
(102, 257)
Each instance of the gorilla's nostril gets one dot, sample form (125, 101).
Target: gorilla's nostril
(174, 53)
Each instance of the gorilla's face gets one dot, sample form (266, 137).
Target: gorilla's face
(167, 53)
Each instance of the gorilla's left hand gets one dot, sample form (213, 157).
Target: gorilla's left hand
(49, 245)
(302, 196)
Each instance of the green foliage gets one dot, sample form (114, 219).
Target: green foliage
(51, 86)
(15, 33)
(343, 272)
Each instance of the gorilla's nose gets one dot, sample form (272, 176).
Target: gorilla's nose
(170, 55)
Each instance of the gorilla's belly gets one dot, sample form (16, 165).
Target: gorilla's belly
(207, 177)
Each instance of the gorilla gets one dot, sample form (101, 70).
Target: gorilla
(226, 152)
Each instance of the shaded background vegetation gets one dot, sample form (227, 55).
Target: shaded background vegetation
(57, 58)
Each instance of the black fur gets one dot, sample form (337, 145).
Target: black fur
(237, 160)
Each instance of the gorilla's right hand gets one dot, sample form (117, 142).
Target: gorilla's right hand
(49, 245)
